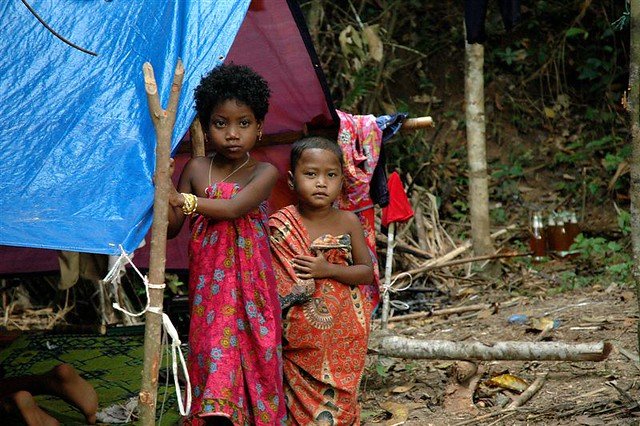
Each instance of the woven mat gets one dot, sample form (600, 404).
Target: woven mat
(112, 363)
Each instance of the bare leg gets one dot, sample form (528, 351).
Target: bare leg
(67, 384)
(30, 412)
(62, 381)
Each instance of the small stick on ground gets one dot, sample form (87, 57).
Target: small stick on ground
(529, 393)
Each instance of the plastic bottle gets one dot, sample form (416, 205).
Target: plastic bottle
(537, 241)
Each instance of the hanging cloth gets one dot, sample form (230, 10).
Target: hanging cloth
(399, 208)
(475, 13)
(360, 139)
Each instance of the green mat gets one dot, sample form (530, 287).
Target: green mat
(112, 363)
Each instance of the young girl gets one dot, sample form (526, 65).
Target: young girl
(235, 354)
(320, 259)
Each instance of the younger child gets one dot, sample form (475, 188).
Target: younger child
(320, 259)
(235, 358)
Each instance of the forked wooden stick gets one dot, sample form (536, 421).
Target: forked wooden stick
(163, 122)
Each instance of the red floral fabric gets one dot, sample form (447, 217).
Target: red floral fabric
(235, 352)
(325, 328)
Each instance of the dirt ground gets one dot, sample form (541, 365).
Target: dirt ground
(422, 392)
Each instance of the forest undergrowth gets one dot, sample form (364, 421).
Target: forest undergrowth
(556, 125)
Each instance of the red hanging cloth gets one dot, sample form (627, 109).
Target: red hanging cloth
(399, 208)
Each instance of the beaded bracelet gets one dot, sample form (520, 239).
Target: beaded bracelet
(190, 204)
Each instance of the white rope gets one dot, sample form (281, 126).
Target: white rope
(176, 350)
(390, 288)
(175, 347)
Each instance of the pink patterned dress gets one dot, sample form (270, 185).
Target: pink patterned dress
(235, 352)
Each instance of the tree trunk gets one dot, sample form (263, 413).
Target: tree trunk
(634, 100)
(476, 149)
(163, 122)
(403, 347)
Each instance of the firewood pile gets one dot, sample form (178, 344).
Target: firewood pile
(18, 313)
(428, 263)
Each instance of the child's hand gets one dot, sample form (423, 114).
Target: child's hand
(176, 199)
(307, 267)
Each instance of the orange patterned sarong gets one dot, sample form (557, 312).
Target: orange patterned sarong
(325, 327)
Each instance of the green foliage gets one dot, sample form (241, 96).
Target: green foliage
(461, 212)
(604, 259)
(498, 216)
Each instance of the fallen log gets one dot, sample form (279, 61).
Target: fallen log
(402, 347)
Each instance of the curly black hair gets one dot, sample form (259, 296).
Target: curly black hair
(230, 81)
(311, 142)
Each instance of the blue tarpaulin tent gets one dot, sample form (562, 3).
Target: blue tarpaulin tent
(77, 147)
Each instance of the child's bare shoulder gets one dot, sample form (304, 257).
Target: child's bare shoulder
(198, 163)
(347, 217)
(263, 165)
(266, 169)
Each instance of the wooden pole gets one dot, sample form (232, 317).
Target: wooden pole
(476, 149)
(387, 274)
(163, 122)
(198, 148)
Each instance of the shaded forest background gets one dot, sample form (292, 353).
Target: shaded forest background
(557, 132)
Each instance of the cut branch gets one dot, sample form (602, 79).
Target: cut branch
(163, 122)
(456, 310)
(529, 393)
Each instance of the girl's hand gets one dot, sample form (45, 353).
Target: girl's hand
(307, 267)
(176, 199)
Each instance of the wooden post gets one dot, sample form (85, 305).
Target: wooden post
(163, 122)
(198, 148)
(388, 266)
(476, 149)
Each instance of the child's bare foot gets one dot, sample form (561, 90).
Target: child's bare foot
(68, 384)
(30, 412)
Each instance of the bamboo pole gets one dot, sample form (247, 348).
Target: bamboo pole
(403, 347)
(417, 123)
(163, 122)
